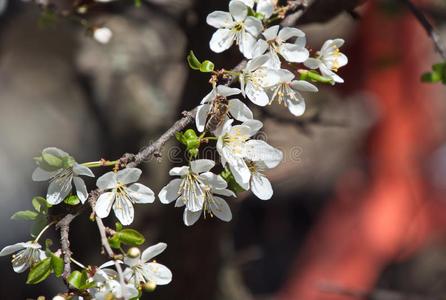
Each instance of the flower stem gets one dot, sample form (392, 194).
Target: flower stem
(77, 263)
(100, 163)
(43, 231)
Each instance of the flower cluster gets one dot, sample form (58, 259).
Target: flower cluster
(278, 68)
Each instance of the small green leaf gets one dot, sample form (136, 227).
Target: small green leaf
(48, 244)
(207, 66)
(438, 74)
(78, 279)
(39, 272)
(72, 200)
(114, 242)
(118, 226)
(26, 215)
(193, 61)
(130, 237)
(40, 204)
(138, 3)
(52, 160)
(179, 136)
(57, 265)
(190, 134)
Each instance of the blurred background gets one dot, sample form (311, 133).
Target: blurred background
(359, 210)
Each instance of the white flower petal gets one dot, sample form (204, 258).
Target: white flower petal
(256, 94)
(270, 33)
(224, 192)
(304, 86)
(103, 204)
(159, 273)
(256, 63)
(222, 40)
(249, 3)
(261, 187)
(220, 209)
(239, 110)
(294, 53)
(190, 218)
(312, 63)
(238, 10)
(258, 150)
(169, 193)
(240, 171)
(153, 251)
(8, 250)
(253, 125)
(227, 91)
(179, 171)
(266, 7)
(55, 151)
(107, 181)
(40, 174)
(213, 180)
(253, 26)
(124, 210)
(82, 170)
(128, 175)
(81, 189)
(201, 116)
(290, 32)
(247, 43)
(297, 108)
(260, 48)
(140, 193)
(201, 165)
(219, 19)
(58, 190)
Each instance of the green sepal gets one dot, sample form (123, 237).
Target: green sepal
(193, 61)
(72, 200)
(118, 226)
(114, 242)
(39, 272)
(310, 75)
(207, 66)
(25, 215)
(232, 183)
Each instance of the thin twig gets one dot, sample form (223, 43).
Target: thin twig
(64, 226)
(427, 25)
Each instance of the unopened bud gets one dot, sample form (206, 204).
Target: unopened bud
(133, 252)
(102, 35)
(149, 286)
(58, 297)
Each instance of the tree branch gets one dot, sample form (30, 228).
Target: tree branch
(428, 27)
(64, 226)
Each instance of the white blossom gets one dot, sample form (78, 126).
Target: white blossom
(287, 92)
(142, 270)
(236, 108)
(102, 35)
(112, 289)
(232, 147)
(255, 78)
(62, 177)
(124, 192)
(265, 7)
(276, 44)
(234, 26)
(28, 254)
(196, 190)
(329, 60)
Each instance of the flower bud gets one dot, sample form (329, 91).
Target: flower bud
(102, 35)
(149, 286)
(58, 297)
(133, 252)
